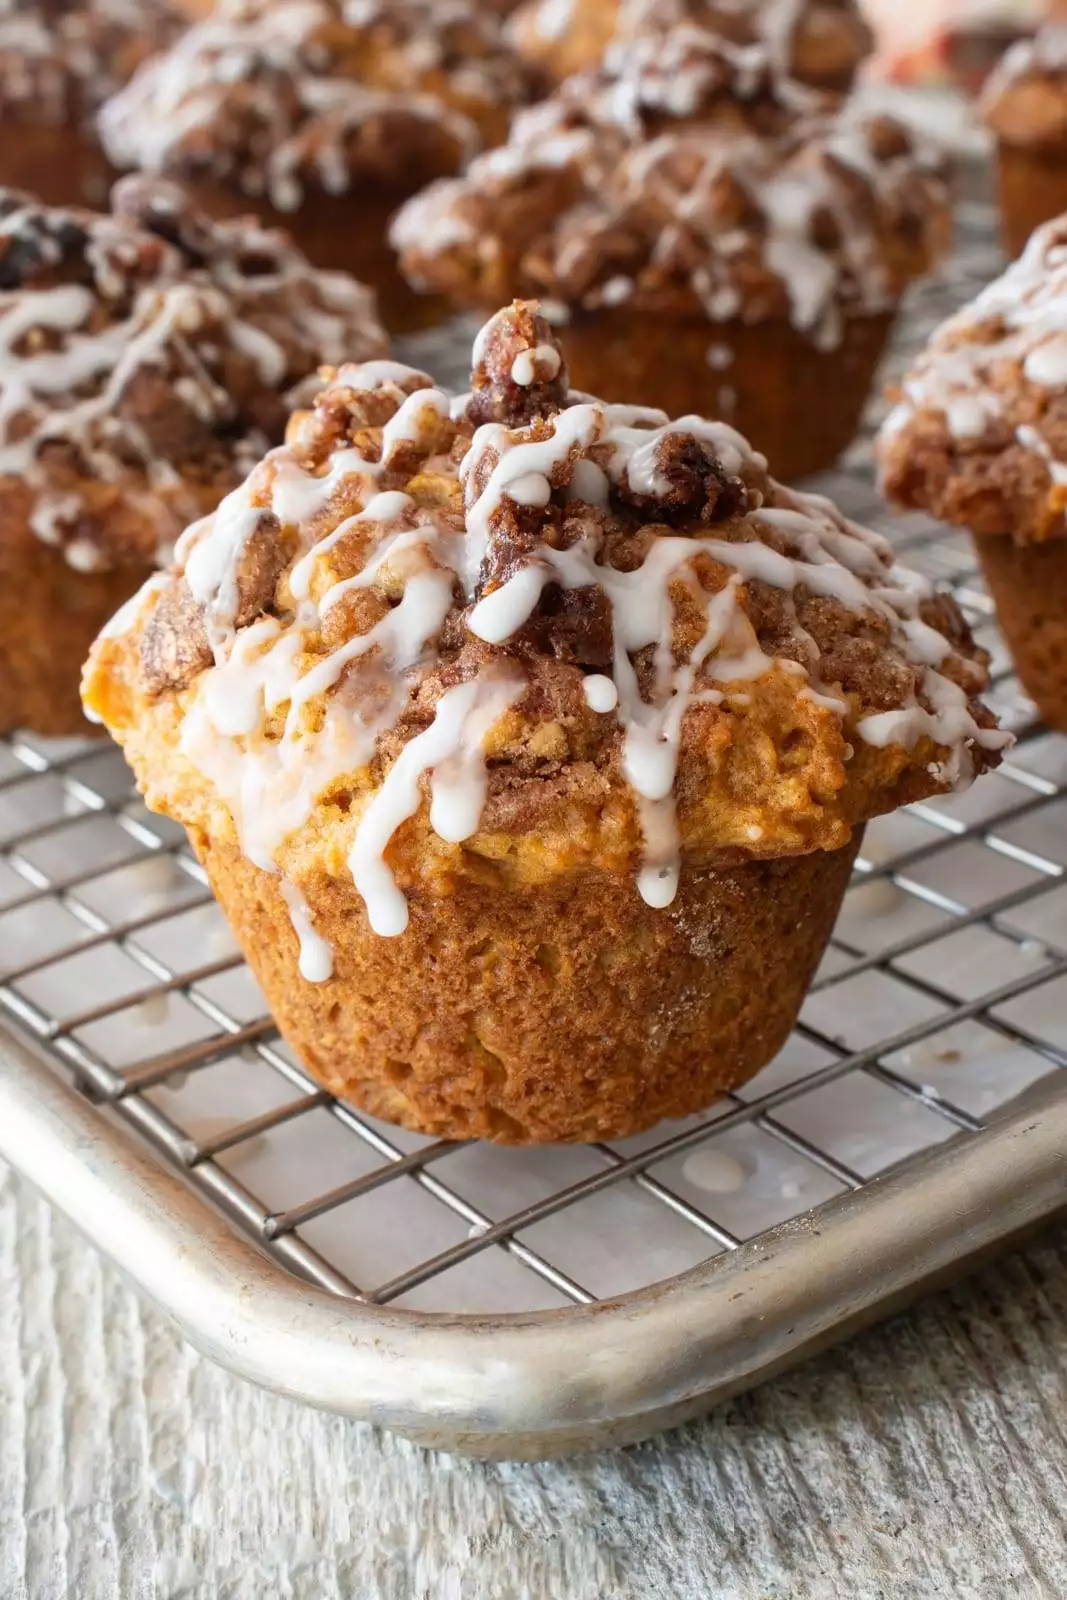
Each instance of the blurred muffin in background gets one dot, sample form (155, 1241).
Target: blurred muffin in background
(821, 42)
(709, 236)
(1024, 104)
(325, 114)
(58, 62)
(979, 439)
(148, 357)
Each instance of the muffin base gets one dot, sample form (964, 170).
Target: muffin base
(49, 616)
(1028, 583)
(799, 405)
(340, 233)
(1032, 188)
(562, 1012)
(62, 165)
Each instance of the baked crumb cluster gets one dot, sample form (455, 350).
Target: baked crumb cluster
(979, 434)
(312, 95)
(821, 42)
(60, 60)
(592, 637)
(149, 356)
(688, 175)
(1025, 97)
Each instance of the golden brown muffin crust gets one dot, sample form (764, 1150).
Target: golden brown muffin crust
(527, 741)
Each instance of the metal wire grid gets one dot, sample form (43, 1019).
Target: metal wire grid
(104, 923)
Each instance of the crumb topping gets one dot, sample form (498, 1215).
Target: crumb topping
(821, 42)
(59, 61)
(313, 94)
(148, 357)
(979, 433)
(569, 620)
(687, 174)
(1025, 97)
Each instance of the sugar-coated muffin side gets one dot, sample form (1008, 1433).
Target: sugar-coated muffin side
(1024, 104)
(979, 438)
(820, 42)
(147, 359)
(326, 113)
(686, 196)
(527, 740)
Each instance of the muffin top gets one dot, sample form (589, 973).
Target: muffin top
(60, 60)
(822, 42)
(979, 434)
(687, 175)
(1024, 100)
(520, 634)
(312, 95)
(148, 357)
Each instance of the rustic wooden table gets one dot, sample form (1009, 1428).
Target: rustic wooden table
(926, 1458)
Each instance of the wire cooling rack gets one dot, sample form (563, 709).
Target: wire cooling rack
(936, 1030)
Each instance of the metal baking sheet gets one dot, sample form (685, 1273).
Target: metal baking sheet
(532, 1302)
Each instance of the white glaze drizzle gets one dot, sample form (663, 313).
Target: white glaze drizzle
(316, 953)
(247, 726)
(450, 748)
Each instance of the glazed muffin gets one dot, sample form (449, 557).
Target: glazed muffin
(821, 42)
(979, 438)
(1024, 104)
(711, 237)
(58, 62)
(148, 357)
(527, 741)
(327, 113)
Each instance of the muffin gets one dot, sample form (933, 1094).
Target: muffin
(821, 42)
(527, 741)
(712, 238)
(1024, 104)
(148, 357)
(325, 113)
(58, 63)
(979, 439)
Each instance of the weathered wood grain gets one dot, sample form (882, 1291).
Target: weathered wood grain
(926, 1458)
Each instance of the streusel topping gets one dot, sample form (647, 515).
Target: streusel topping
(584, 633)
